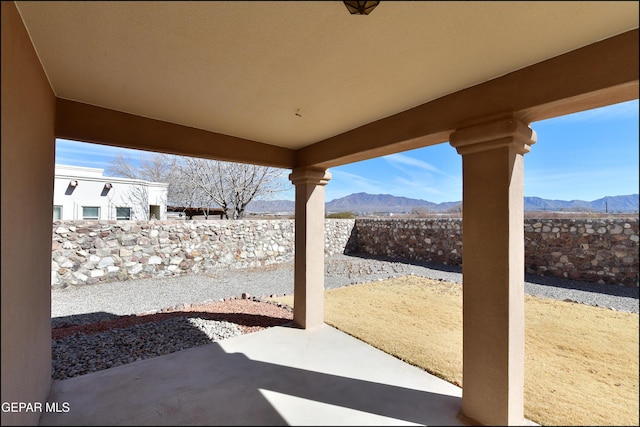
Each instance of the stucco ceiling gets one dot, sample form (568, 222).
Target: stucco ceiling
(246, 68)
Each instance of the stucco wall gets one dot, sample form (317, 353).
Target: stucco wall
(28, 149)
(90, 191)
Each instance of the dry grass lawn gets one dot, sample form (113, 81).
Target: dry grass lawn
(581, 364)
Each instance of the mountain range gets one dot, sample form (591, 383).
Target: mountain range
(364, 203)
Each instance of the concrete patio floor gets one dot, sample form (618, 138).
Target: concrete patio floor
(279, 376)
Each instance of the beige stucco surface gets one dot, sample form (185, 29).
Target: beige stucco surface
(28, 111)
(309, 244)
(492, 270)
(38, 71)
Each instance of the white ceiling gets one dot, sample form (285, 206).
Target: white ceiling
(245, 68)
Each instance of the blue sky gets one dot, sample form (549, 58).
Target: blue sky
(582, 156)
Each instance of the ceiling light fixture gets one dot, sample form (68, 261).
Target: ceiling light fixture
(361, 7)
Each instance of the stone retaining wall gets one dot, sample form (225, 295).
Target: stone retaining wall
(436, 240)
(597, 250)
(89, 252)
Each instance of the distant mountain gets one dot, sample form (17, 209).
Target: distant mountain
(621, 204)
(364, 203)
(368, 203)
(617, 203)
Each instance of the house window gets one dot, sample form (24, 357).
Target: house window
(57, 212)
(123, 213)
(90, 212)
(154, 212)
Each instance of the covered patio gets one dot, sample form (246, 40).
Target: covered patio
(304, 86)
(280, 376)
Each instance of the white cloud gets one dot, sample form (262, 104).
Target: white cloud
(562, 179)
(92, 153)
(409, 186)
(624, 110)
(345, 183)
(353, 183)
(399, 161)
(571, 185)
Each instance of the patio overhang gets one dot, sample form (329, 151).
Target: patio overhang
(603, 73)
(267, 83)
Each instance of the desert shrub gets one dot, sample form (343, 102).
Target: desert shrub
(341, 215)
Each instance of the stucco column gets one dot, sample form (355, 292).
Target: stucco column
(493, 269)
(308, 293)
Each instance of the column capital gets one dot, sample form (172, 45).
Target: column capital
(503, 132)
(309, 176)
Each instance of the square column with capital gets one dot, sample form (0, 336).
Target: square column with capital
(308, 293)
(493, 268)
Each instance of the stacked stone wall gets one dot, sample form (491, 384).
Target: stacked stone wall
(596, 250)
(89, 252)
(434, 240)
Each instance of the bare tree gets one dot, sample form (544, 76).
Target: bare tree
(232, 186)
(138, 197)
(420, 212)
(154, 167)
(457, 209)
(122, 166)
(201, 183)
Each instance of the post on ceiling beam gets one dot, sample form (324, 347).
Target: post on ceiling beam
(308, 294)
(493, 269)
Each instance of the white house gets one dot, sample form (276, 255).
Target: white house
(84, 193)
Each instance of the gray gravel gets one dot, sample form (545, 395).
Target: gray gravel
(150, 295)
(84, 353)
(80, 354)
